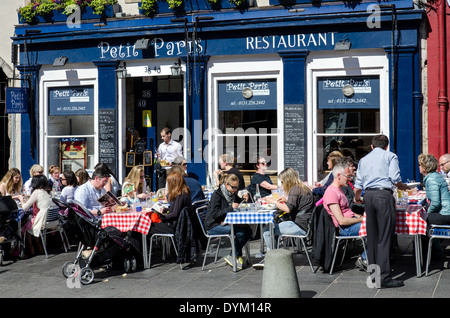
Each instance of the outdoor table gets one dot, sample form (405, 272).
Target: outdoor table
(249, 217)
(130, 221)
(411, 220)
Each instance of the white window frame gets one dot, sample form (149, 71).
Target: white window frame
(328, 64)
(240, 68)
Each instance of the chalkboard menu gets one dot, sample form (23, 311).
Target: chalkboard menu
(148, 158)
(130, 159)
(107, 138)
(294, 138)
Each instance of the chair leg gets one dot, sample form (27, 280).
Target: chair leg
(43, 244)
(206, 253)
(429, 255)
(217, 249)
(334, 256)
(307, 255)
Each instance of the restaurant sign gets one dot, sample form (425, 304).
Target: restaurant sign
(72, 101)
(247, 95)
(16, 100)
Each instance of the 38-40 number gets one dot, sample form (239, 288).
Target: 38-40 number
(150, 70)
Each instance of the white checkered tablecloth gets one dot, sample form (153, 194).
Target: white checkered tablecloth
(410, 221)
(208, 194)
(128, 221)
(249, 217)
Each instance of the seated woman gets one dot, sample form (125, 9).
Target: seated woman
(179, 197)
(261, 179)
(226, 164)
(40, 200)
(82, 176)
(436, 189)
(223, 200)
(70, 184)
(55, 182)
(34, 171)
(193, 184)
(133, 187)
(11, 184)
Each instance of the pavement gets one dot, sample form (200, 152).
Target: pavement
(38, 277)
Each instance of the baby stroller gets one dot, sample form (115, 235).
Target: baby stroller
(108, 245)
(9, 227)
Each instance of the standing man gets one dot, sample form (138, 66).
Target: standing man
(168, 150)
(444, 164)
(377, 172)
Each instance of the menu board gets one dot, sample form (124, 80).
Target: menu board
(294, 138)
(107, 138)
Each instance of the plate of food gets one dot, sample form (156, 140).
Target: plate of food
(270, 206)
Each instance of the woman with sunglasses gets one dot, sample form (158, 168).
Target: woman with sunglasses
(260, 178)
(134, 184)
(224, 200)
(70, 184)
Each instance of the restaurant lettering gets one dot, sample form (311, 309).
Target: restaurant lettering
(289, 41)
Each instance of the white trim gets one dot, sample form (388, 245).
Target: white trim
(353, 62)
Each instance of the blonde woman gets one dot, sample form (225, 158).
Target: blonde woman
(11, 184)
(136, 179)
(320, 188)
(54, 181)
(35, 170)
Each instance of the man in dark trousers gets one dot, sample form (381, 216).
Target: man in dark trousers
(377, 172)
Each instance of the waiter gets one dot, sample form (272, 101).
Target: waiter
(168, 150)
(377, 172)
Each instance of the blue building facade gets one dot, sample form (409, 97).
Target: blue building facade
(290, 82)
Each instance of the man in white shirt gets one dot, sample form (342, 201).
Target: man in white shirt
(168, 150)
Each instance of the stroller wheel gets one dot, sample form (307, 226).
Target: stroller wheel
(127, 264)
(86, 276)
(2, 254)
(68, 269)
(133, 264)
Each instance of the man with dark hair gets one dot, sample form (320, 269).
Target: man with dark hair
(88, 193)
(377, 172)
(167, 151)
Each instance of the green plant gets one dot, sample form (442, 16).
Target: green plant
(239, 3)
(98, 6)
(173, 4)
(28, 13)
(45, 7)
(148, 6)
(213, 2)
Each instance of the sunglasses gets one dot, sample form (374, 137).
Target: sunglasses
(262, 163)
(232, 187)
(348, 177)
(443, 164)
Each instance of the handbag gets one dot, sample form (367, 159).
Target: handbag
(281, 216)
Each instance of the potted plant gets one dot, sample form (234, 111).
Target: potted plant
(148, 7)
(175, 4)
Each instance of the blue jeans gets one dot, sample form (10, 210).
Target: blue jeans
(242, 233)
(286, 227)
(352, 230)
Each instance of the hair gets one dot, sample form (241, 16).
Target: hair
(291, 178)
(333, 156)
(176, 185)
(82, 175)
(428, 162)
(230, 177)
(339, 168)
(229, 159)
(179, 169)
(257, 161)
(134, 176)
(71, 178)
(166, 130)
(347, 160)
(53, 168)
(35, 168)
(380, 141)
(8, 180)
(101, 170)
(40, 182)
(178, 160)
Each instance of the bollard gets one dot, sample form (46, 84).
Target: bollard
(279, 277)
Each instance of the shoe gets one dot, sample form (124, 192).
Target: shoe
(259, 265)
(229, 260)
(392, 283)
(239, 263)
(361, 264)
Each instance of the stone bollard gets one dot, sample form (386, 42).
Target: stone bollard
(279, 277)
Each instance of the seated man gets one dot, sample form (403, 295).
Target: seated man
(336, 204)
(88, 193)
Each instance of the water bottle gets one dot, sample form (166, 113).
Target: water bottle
(257, 196)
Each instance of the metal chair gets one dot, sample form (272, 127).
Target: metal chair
(441, 232)
(209, 236)
(165, 244)
(337, 240)
(302, 238)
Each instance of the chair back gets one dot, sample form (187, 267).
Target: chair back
(198, 211)
(316, 210)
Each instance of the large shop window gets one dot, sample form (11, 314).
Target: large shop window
(248, 121)
(348, 115)
(70, 127)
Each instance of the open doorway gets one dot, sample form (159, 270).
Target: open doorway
(152, 103)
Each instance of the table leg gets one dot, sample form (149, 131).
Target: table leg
(261, 239)
(233, 248)
(144, 250)
(418, 251)
(272, 236)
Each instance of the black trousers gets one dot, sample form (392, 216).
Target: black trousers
(380, 223)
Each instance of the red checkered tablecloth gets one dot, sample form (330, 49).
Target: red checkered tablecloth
(129, 221)
(410, 221)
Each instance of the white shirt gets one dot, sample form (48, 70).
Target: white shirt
(170, 151)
